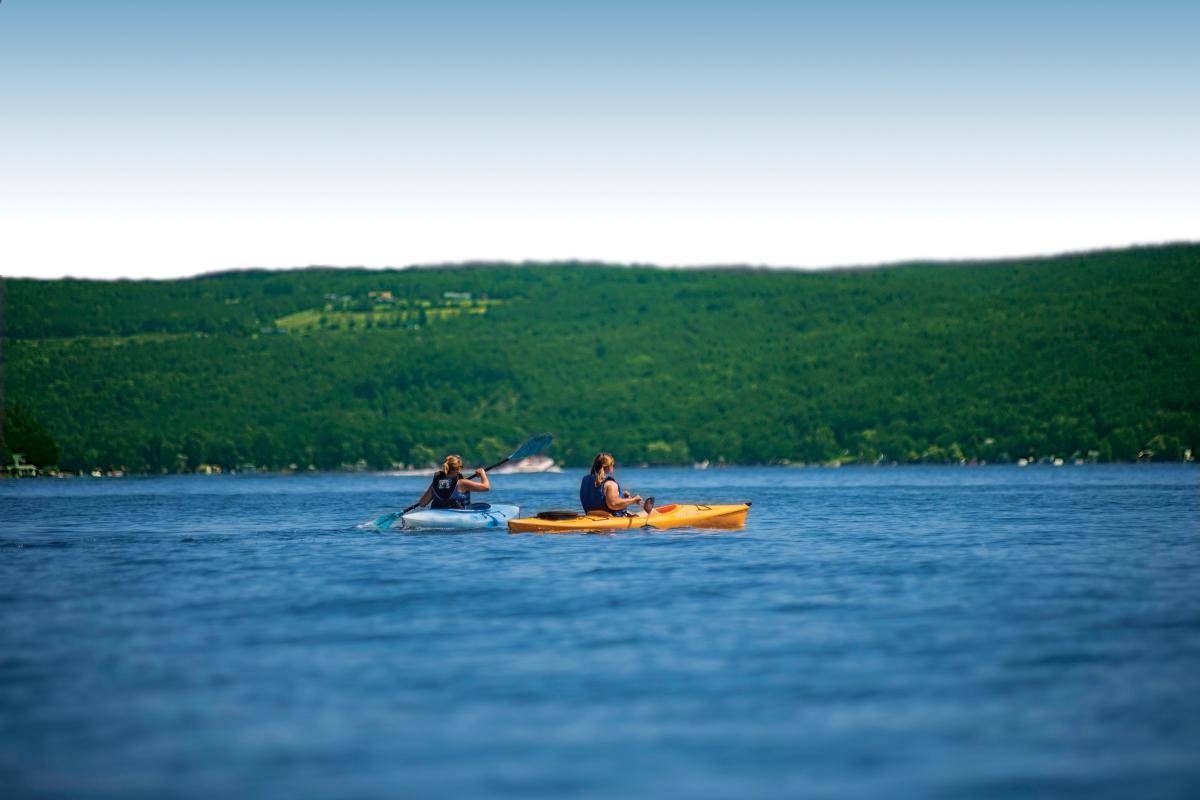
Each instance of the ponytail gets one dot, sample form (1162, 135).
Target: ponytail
(451, 465)
(600, 462)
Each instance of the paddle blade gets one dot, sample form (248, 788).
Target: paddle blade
(386, 520)
(532, 447)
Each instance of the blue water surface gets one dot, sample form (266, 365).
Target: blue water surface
(989, 632)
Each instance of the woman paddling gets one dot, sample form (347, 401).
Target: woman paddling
(449, 489)
(599, 490)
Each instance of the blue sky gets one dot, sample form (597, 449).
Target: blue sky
(161, 139)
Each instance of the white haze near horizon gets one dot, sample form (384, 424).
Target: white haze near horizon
(155, 141)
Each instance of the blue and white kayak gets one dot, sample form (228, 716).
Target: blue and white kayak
(478, 516)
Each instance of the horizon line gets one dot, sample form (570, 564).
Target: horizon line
(576, 261)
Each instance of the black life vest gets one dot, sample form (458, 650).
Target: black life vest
(445, 491)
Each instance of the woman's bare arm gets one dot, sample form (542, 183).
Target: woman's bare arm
(481, 485)
(615, 502)
(425, 498)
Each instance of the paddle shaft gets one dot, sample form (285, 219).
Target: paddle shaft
(493, 466)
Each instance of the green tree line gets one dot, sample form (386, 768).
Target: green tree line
(1088, 355)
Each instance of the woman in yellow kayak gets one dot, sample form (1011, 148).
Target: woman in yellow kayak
(599, 490)
(449, 489)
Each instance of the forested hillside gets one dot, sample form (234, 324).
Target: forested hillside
(1093, 353)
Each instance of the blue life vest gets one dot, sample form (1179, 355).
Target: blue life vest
(445, 492)
(591, 496)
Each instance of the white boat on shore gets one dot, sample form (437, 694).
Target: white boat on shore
(537, 463)
(524, 466)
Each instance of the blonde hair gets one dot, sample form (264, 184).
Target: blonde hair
(451, 465)
(602, 461)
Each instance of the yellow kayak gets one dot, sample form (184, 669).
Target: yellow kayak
(675, 515)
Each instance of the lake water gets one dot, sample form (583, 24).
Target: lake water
(988, 632)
